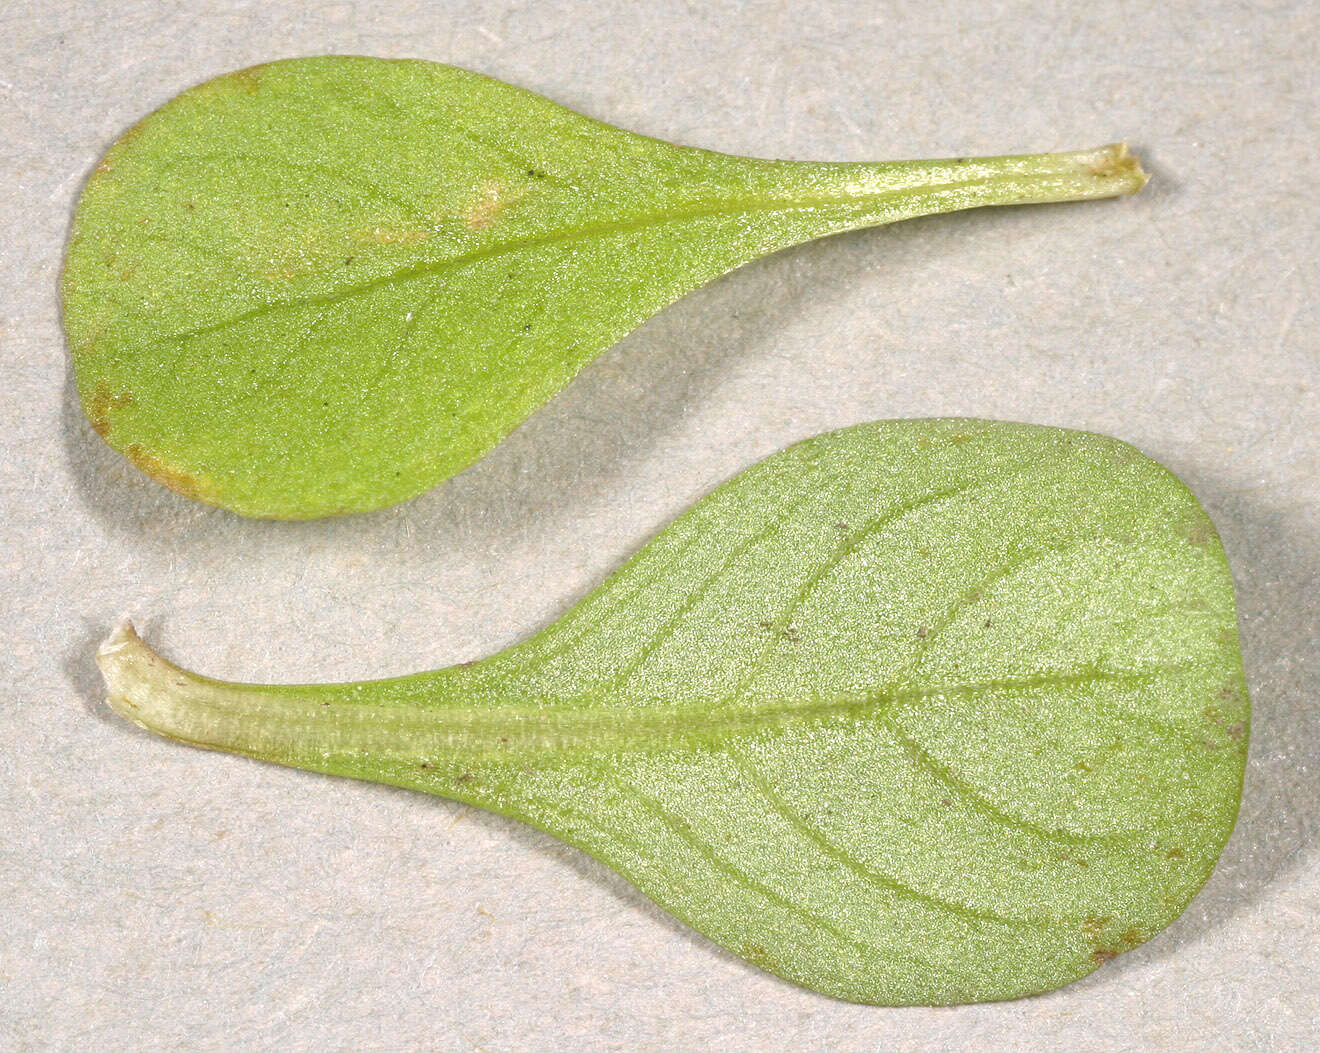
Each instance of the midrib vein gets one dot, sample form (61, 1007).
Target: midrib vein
(279, 723)
(610, 228)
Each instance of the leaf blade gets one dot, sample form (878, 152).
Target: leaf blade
(325, 285)
(970, 747)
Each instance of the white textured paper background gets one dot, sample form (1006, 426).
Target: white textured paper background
(157, 897)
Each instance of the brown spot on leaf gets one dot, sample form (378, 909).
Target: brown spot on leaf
(1102, 954)
(249, 79)
(922, 631)
(133, 134)
(175, 478)
(1175, 853)
(1093, 927)
(99, 405)
(755, 953)
(465, 777)
(1200, 534)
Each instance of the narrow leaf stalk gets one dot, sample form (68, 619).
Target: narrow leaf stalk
(1020, 179)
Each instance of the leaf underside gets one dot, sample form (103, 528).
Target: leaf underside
(915, 712)
(324, 285)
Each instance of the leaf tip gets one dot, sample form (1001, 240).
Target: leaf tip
(1117, 161)
(124, 634)
(125, 663)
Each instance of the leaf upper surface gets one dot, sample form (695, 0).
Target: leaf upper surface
(324, 285)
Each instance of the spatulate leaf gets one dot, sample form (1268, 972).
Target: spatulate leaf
(325, 285)
(914, 712)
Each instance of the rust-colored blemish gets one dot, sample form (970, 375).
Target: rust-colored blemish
(1094, 926)
(248, 79)
(755, 953)
(175, 478)
(99, 405)
(465, 777)
(1103, 954)
(1175, 853)
(1200, 532)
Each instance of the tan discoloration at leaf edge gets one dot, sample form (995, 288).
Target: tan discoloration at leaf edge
(176, 479)
(100, 404)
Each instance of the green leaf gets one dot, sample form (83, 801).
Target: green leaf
(914, 712)
(325, 285)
